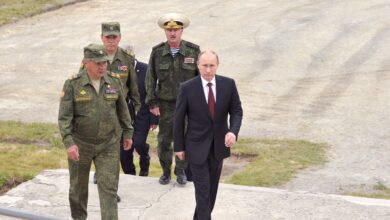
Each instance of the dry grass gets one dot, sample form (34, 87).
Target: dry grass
(277, 160)
(13, 10)
(379, 191)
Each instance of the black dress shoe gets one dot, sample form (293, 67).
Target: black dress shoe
(164, 179)
(118, 198)
(181, 177)
(143, 173)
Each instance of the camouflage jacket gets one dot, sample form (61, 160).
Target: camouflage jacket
(123, 65)
(86, 115)
(165, 72)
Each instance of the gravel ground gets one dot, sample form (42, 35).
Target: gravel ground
(315, 70)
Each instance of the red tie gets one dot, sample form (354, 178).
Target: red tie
(211, 100)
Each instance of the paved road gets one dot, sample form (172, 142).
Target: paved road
(316, 70)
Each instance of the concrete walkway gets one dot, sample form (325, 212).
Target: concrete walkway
(144, 198)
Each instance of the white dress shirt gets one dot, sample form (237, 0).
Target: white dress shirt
(206, 89)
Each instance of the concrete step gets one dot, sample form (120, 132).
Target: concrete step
(144, 198)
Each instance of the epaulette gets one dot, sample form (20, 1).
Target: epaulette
(189, 44)
(128, 52)
(159, 45)
(75, 76)
(115, 75)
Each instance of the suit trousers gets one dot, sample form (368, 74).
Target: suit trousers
(206, 179)
(141, 131)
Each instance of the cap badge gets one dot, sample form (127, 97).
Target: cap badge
(83, 92)
(171, 24)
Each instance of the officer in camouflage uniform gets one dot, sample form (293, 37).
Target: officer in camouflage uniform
(120, 62)
(170, 63)
(93, 115)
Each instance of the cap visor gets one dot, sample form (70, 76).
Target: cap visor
(100, 59)
(115, 33)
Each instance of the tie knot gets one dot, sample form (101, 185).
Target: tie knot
(209, 84)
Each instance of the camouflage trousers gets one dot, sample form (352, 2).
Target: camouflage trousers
(105, 157)
(165, 137)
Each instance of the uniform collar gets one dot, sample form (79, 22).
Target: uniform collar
(119, 55)
(167, 48)
(85, 80)
(106, 79)
(84, 77)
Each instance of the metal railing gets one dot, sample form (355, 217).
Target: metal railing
(25, 215)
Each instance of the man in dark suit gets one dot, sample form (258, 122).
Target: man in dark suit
(203, 106)
(143, 121)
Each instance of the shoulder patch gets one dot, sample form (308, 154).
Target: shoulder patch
(189, 44)
(75, 76)
(158, 45)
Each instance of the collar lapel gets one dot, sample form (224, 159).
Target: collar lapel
(218, 95)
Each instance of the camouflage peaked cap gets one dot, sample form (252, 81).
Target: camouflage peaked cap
(111, 28)
(95, 52)
(173, 21)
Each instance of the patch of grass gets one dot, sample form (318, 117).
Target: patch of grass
(8, 183)
(41, 134)
(380, 191)
(277, 160)
(13, 10)
(21, 162)
(28, 148)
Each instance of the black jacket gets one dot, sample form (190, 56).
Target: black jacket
(202, 130)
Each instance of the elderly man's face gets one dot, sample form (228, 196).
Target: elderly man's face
(95, 70)
(173, 35)
(208, 65)
(111, 43)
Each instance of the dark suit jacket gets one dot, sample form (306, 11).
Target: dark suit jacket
(201, 130)
(140, 70)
